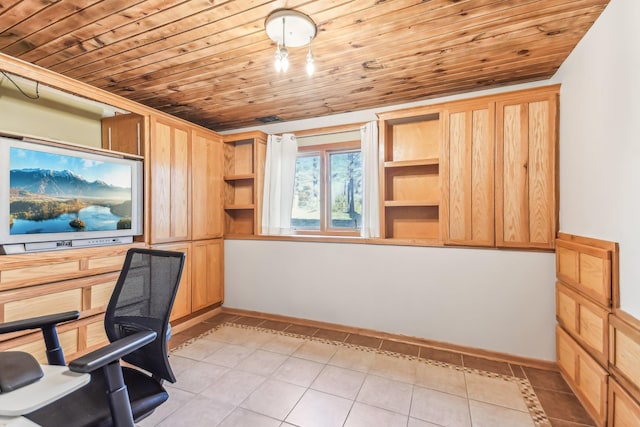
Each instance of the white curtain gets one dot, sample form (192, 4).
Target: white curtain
(279, 176)
(370, 180)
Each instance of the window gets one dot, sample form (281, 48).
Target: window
(328, 189)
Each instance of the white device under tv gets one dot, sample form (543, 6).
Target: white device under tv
(58, 197)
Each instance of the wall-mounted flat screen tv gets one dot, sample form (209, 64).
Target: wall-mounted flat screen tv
(53, 197)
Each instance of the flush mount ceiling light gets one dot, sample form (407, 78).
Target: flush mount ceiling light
(289, 28)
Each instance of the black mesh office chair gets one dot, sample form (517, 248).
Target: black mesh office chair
(137, 325)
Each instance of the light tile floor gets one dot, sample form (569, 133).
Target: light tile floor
(243, 375)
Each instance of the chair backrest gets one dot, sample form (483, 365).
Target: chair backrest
(142, 300)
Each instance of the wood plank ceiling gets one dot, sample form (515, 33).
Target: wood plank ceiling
(211, 62)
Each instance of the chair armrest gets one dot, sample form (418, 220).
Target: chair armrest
(38, 322)
(112, 352)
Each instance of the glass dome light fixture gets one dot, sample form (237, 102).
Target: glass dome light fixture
(289, 28)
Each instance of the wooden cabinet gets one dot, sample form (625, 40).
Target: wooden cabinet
(124, 133)
(207, 273)
(526, 146)
(169, 189)
(478, 172)
(586, 270)
(206, 185)
(468, 159)
(202, 282)
(410, 174)
(51, 282)
(186, 170)
(244, 156)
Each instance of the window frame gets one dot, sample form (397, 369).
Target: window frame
(324, 151)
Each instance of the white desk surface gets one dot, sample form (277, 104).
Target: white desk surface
(57, 381)
(17, 422)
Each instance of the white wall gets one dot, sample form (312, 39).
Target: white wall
(600, 140)
(490, 299)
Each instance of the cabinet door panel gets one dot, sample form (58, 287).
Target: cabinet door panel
(207, 274)
(180, 185)
(160, 161)
(526, 212)
(468, 175)
(123, 133)
(170, 186)
(206, 178)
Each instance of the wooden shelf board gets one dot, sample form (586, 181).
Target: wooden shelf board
(239, 177)
(404, 203)
(406, 163)
(238, 207)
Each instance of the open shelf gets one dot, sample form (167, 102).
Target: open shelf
(238, 157)
(412, 183)
(244, 156)
(411, 187)
(238, 221)
(412, 222)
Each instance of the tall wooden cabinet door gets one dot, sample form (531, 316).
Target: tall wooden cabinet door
(207, 274)
(526, 201)
(182, 303)
(468, 175)
(206, 183)
(170, 184)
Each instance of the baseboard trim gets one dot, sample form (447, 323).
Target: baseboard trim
(470, 351)
(180, 325)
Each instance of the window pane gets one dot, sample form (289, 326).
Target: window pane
(305, 214)
(346, 190)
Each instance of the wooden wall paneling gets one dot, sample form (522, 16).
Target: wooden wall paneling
(468, 174)
(526, 170)
(206, 195)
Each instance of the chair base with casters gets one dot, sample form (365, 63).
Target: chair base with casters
(137, 325)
